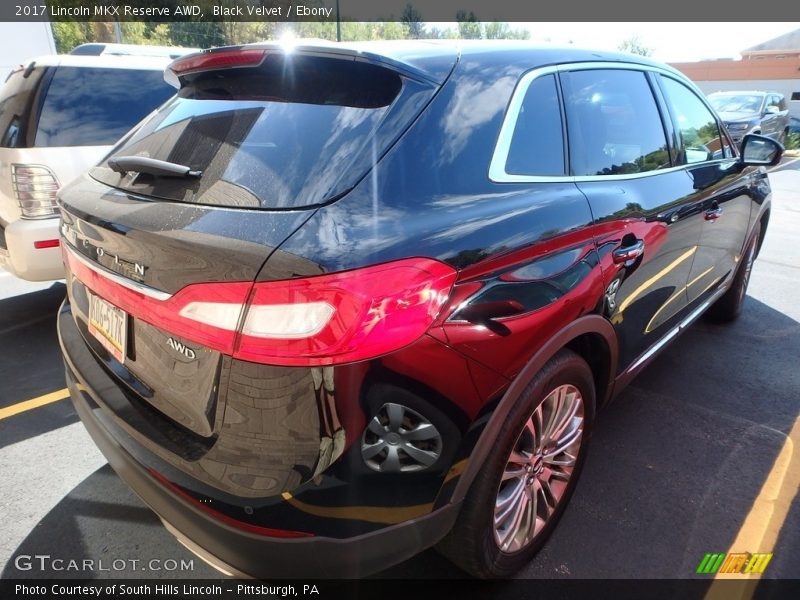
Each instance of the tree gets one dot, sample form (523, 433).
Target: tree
(634, 45)
(468, 26)
(67, 35)
(503, 31)
(412, 19)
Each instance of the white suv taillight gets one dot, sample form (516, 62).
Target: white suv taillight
(35, 187)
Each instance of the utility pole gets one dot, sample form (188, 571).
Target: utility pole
(338, 24)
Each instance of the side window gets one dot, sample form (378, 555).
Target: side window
(613, 123)
(776, 100)
(699, 132)
(537, 146)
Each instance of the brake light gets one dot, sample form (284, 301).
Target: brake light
(218, 59)
(344, 317)
(35, 187)
(323, 320)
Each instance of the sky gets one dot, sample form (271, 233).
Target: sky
(671, 42)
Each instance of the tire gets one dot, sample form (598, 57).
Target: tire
(730, 304)
(475, 542)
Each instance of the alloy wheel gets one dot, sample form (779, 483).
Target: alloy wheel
(539, 469)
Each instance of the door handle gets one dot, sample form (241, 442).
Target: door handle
(628, 252)
(712, 214)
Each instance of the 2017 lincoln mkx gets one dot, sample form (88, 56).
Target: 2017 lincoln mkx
(334, 304)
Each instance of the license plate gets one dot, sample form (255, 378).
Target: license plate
(109, 325)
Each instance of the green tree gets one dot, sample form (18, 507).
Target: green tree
(503, 31)
(634, 45)
(67, 35)
(412, 19)
(468, 26)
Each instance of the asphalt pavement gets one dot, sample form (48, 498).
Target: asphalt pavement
(696, 456)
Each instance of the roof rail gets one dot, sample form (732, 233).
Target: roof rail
(102, 49)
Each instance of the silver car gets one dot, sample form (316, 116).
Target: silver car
(59, 115)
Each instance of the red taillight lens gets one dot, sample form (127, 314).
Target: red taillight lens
(324, 320)
(218, 59)
(42, 244)
(344, 317)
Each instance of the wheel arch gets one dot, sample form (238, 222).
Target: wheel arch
(593, 338)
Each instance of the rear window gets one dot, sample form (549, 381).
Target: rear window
(295, 131)
(96, 107)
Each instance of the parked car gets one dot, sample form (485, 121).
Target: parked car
(764, 113)
(59, 115)
(329, 307)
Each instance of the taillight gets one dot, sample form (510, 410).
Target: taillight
(323, 320)
(35, 187)
(344, 317)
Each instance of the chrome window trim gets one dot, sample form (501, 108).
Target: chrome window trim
(130, 284)
(497, 165)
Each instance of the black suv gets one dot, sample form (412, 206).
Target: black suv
(335, 304)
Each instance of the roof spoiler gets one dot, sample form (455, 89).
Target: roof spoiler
(252, 55)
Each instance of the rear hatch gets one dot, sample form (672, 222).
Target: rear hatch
(161, 266)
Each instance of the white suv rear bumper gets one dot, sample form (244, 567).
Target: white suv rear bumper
(23, 259)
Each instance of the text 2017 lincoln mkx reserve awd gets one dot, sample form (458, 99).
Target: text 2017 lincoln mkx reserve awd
(335, 304)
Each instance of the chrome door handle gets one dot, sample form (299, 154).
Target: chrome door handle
(629, 252)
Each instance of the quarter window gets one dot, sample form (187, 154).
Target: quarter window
(613, 123)
(537, 146)
(698, 128)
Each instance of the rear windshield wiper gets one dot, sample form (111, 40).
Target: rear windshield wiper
(150, 166)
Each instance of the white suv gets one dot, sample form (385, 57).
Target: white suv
(59, 115)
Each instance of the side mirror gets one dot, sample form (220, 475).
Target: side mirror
(772, 110)
(758, 150)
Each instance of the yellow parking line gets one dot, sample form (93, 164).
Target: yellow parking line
(21, 407)
(762, 526)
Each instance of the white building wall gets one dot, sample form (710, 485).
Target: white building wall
(787, 87)
(22, 41)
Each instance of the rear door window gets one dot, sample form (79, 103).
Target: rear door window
(96, 106)
(613, 123)
(293, 132)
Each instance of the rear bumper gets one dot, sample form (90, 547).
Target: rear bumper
(232, 550)
(19, 256)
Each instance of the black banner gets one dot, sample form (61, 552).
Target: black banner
(384, 589)
(388, 10)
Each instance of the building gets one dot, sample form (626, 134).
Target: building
(773, 65)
